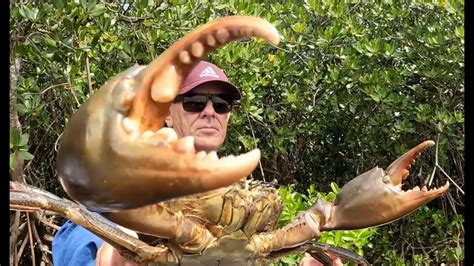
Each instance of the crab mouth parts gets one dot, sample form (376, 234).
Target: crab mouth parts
(398, 171)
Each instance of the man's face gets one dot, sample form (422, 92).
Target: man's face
(208, 127)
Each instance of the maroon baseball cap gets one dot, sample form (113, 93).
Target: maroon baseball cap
(205, 72)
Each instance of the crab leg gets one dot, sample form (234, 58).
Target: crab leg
(25, 197)
(371, 199)
(317, 251)
(114, 153)
(157, 220)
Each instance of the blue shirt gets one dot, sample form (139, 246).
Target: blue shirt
(75, 245)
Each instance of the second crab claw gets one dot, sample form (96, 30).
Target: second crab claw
(115, 154)
(376, 197)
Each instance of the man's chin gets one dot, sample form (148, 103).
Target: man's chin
(207, 143)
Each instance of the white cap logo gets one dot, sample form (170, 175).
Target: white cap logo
(208, 72)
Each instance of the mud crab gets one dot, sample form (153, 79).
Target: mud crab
(190, 207)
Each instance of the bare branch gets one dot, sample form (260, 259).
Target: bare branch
(437, 166)
(89, 82)
(253, 136)
(30, 237)
(20, 251)
(14, 233)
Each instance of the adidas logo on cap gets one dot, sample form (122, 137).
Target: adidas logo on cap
(208, 72)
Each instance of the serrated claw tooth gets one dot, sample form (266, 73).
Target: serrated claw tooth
(424, 188)
(130, 126)
(145, 137)
(185, 58)
(417, 188)
(230, 168)
(197, 49)
(168, 134)
(163, 87)
(127, 100)
(185, 145)
(211, 156)
(222, 35)
(147, 134)
(200, 155)
(210, 40)
(405, 174)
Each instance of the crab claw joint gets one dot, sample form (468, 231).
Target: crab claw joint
(376, 197)
(115, 154)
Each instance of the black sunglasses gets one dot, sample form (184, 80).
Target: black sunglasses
(197, 102)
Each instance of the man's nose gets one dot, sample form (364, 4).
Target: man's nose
(208, 110)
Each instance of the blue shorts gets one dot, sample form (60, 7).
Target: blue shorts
(75, 245)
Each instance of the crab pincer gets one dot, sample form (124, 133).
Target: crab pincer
(115, 153)
(371, 199)
(377, 197)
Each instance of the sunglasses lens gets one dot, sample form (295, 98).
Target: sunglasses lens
(220, 105)
(195, 103)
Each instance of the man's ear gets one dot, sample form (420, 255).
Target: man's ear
(169, 121)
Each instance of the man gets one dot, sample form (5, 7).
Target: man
(202, 110)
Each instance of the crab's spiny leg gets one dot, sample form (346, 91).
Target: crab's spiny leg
(315, 249)
(26, 197)
(159, 221)
(300, 230)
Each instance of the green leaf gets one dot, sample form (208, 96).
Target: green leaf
(91, 5)
(459, 252)
(69, 25)
(322, 42)
(313, 4)
(389, 49)
(59, 4)
(148, 22)
(25, 154)
(299, 27)
(459, 32)
(15, 136)
(30, 14)
(83, 4)
(337, 237)
(23, 140)
(49, 42)
(21, 108)
(12, 160)
(142, 4)
(98, 10)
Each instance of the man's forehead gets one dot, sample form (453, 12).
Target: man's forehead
(211, 87)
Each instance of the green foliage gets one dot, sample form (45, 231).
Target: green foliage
(295, 202)
(18, 147)
(353, 84)
(421, 242)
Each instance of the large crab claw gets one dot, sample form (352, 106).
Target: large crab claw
(376, 197)
(114, 153)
